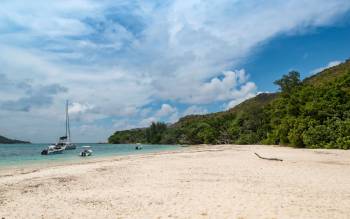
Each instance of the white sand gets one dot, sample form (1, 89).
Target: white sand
(196, 182)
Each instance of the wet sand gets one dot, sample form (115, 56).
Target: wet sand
(195, 182)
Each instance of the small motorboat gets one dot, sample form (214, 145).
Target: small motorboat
(86, 151)
(53, 149)
(138, 146)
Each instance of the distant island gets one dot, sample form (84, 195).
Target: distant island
(4, 140)
(313, 113)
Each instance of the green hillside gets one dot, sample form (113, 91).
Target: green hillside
(179, 133)
(4, 140)
(314, 113)
(329, 74)
(128, 136)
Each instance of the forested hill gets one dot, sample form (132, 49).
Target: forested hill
(314, 113)
(4, 140)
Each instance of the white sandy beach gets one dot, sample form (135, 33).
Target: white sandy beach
(194, 182)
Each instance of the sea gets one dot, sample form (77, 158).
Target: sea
(27, 154)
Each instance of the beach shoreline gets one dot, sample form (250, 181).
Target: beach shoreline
(36, 166)
(20, 156)
(205, 181)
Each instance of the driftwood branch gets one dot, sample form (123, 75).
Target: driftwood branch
(265, 158)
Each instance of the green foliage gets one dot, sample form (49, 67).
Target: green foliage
(313, 116)
(314, 113)
(289, 82)
(154, 132)
(128, 137)
(244, 124)
(329, 75)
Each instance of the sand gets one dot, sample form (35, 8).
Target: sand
(196, 182)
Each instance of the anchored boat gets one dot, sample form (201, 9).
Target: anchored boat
(52, 149)
(138, 146)
(87, 151)
(64, 142)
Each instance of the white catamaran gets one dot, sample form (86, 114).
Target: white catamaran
(64, 142)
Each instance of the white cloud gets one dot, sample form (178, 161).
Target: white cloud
(207, 37)
(230, 85)
(166, 113)
(26, 95)
(195, 110)
(329, 65)
(85, 112)
(76, 107)
(165, 110)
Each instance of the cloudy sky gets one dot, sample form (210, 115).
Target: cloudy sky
(125, 63)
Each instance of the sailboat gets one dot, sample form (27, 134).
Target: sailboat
(64, 142)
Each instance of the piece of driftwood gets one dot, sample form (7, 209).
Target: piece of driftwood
(266, 158)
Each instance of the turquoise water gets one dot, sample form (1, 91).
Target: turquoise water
(22, 154)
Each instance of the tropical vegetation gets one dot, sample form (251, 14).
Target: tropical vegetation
(313, 113)
(4, 140)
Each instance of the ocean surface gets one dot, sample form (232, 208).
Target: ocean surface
(24, 154)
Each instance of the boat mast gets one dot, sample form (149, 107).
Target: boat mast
(66, 119)
(67, 123)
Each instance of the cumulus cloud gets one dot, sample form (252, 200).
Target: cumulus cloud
(76, 107)
(166, 113)
(122, 56)
(229, 85)
(165, 110)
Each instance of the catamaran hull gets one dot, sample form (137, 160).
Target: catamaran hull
(71, 147)
(46, 152)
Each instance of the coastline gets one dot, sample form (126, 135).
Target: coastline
(12, 157)
(220, 181)
(24, 168)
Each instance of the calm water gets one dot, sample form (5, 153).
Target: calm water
(21, 154)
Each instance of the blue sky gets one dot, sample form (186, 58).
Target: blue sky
(304, 53)
(123, 64)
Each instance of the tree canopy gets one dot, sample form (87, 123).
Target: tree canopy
(289, 82)
(314, 113)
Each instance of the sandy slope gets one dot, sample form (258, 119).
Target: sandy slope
(196, 182)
